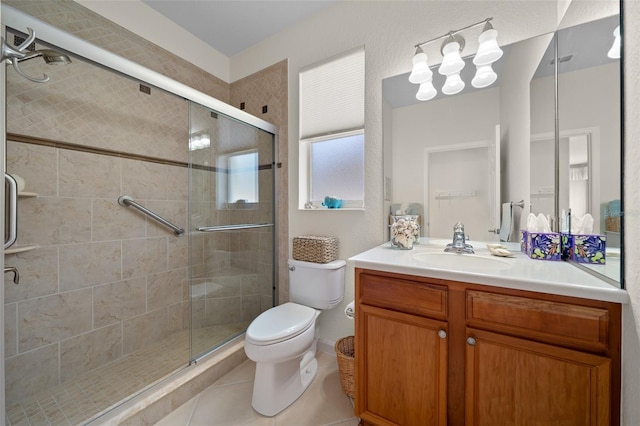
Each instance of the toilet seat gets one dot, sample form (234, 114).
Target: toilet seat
(280, 323)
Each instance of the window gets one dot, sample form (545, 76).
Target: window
(332, 131)
(243, 177)
(238, 181)
(337, 166)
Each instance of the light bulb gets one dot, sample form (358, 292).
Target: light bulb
(614, 52)
(420, 71)
(488, 51)
(485, 76)
(452, 63)
(453, 84)
(426, 92)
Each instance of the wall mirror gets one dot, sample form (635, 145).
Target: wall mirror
(588, 134)
(441, 154)
(448, 155)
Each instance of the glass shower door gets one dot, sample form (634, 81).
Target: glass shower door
(231, 215)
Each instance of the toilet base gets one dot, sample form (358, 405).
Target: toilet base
(276, 386)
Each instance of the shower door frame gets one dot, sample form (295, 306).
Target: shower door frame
(64, 41)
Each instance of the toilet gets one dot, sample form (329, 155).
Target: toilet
(281, 341)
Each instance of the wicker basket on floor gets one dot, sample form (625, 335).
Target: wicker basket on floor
(345, 353)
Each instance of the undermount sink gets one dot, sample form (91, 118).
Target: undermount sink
(463, 262)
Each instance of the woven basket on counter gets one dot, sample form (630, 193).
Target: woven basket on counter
(345, 354)
(311, 248)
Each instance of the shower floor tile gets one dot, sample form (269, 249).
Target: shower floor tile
(227, 402)
(82, 398)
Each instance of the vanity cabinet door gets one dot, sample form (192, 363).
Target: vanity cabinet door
(512, 381)
(401, 368)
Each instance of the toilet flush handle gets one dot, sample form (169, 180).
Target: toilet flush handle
(292, 268)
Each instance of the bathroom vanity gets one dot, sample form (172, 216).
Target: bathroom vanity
(474, 339)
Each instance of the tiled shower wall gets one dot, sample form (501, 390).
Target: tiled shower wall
(268, 87)
(92, 252)
(103, 281)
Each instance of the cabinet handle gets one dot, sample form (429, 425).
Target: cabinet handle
(442, 334)
(471, 341)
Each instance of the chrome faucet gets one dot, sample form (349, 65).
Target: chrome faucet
(459, 244)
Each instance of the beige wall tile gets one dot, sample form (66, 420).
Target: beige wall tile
(144, 256)
(47, 221)
(198, 314)
(250, 284)
(10, 329)
(223, 286)
(83, 174)
(173, 211)
(157, 121)
(178, 252)
(38, 166)
(227, 310)
(175, 318)
(90, 350)
(111, 221)
(119, 301)
(38, 274)
(144, 330)
(143, 180)
(29, 373)
(165, 289)
(177, 182)
(251, 307)
(84, 265)
(50, 319)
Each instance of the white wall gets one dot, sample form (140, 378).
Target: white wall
(631, 317)
(388, 30)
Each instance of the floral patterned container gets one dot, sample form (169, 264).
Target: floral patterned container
(523, 240)
(544, 245)
(589, 249)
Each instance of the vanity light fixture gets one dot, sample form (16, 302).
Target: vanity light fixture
(452, 63)
(614, 52)
(420, 72)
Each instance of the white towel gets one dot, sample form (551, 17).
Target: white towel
(507, 221)
(350, 310)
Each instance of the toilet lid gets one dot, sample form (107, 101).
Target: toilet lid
(280, 323)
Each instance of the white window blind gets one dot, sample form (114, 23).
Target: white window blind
(332, 96)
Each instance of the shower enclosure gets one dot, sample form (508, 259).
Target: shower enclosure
(110, 300)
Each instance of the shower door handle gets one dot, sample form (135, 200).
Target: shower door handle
(11, 211)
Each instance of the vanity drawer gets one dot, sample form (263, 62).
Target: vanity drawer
(408, 296)
(554, 322)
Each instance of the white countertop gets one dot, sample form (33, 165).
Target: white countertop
(518, 272)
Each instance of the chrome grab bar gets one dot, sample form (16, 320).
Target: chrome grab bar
(126, 201)
(11, 219)
(233, 227)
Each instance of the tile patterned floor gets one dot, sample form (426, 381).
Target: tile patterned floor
(227, 402)
(80, 399)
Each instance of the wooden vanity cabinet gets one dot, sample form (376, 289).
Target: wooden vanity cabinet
(402, 352)
(433, 352)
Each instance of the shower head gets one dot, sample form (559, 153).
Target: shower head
(15, 54)
(51, 57)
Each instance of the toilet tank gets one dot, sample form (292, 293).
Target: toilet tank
(317, 285)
